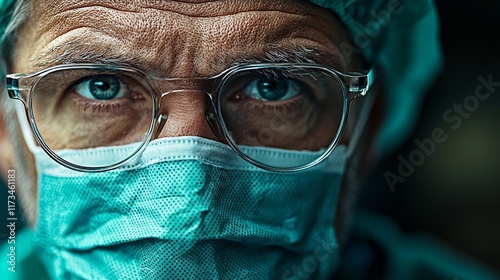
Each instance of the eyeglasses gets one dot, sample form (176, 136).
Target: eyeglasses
(302, 107)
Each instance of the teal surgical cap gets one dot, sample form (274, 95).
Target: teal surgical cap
(400, 37)
(6, 9)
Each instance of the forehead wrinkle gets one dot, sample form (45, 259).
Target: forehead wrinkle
(77, 50)
(206, 8)
(181, 12)
(186, 7)
(140, 19)
(168, 47)
(74, 13)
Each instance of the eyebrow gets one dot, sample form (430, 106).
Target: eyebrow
(297, 54)
(78, 52)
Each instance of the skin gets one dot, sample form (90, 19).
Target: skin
(168, 39)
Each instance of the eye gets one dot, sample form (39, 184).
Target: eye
(272, 89)
(102, 87)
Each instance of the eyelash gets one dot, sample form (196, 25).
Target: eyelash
(291, 105)
(85, 105)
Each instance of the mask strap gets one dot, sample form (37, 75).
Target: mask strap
(25, 127)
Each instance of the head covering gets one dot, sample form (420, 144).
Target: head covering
(400, 37)
(6, 9)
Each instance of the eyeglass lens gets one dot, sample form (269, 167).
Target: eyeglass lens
(287, 108)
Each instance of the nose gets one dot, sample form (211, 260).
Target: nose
(184, 113)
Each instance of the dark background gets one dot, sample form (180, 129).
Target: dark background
(455, 193)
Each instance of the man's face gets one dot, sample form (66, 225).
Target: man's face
(176, 39)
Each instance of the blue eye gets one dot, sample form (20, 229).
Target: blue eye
(272, 89)
(103, 87)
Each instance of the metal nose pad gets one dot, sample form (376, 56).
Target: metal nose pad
(182, 114)
(214, 125)
(160, 123)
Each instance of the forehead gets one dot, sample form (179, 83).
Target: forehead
(174, 37)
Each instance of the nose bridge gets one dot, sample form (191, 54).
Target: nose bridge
(188, 88)
(184, 97)
(183, 108)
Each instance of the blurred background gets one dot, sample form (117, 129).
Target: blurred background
(455, 193)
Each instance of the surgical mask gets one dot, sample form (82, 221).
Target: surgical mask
(188, 208)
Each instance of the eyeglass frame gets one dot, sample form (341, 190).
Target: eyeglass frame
(356, 84)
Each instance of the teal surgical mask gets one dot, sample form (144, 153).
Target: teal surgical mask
(188, 208)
